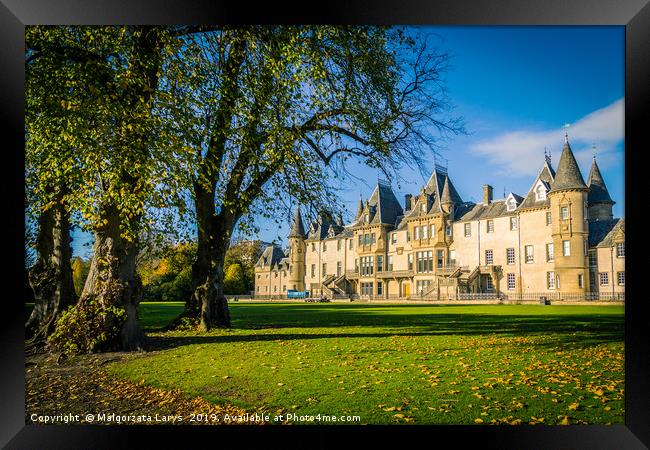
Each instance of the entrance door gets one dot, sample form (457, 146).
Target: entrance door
(406, 288)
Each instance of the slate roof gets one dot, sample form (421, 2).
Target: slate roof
(297, 229)
(568, 174)
(382, 207)
(602, 232)
(597, 190)
(436, 184)
(546, 175)
(320, 229)
(271, 256)
(471, 211)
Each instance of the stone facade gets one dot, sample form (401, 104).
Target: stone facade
(559, 239)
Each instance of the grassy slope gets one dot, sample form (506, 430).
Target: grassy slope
(395, 364)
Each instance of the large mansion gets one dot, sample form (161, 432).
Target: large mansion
(560, 239)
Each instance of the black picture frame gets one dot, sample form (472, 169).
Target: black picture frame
(633, 14)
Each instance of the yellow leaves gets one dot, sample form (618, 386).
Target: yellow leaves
(227, 377)
(280, 384)
(478, 421)
(564, 421)
(574, 406)
(599, 392)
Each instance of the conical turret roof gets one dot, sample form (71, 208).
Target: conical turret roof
(445, 197)
(297, 228)
(359, 208)
(597, 190)
(568, 174)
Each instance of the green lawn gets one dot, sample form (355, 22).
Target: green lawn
(399, 364)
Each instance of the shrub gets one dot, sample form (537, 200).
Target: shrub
(87, 327)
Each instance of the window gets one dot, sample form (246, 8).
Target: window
(366, 239)
(440, 258)
(490, 226)
(489, 284)
(380, 288)
(367, 265)
(566, 248)
(511, 205)
(564, 212)
(433, 230)
(423, 207)
(593, 259)
(448, 230)
(324, 246)
(313, 246)
(549, 252)
(275, 289)
(580, 280)
(390, 263)
(351, 243)
(410, 261)
(425, 230)
(528, 252)
(284, 288)
(586, 248)
(468, 229)
(356, 265)
(259, 276)
(424, 261)
(550, 280)
(367, 288)
(586, 211)
(338, 268)
(276, 274)
(416, 234)
(360, 240)
(620, 277)
(324, 269)
(338, 245)
(380, 263)
(367, 218)
(557, 281)
(510, 255)
(422, 285)
(620, 250)
(604, 278)
(372, 238)
(489, 258)
(394, 238)
(511, 281)
(513, 223)
(452, 257)
(540, 192)
(408, 236)
(548, 218)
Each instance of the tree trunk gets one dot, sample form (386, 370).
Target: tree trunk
(51, 277)
(113, 281)
(208, 302)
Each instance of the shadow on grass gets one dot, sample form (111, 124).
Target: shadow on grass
(568, 330)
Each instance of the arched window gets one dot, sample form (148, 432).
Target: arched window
(510, 204)
(540, 192)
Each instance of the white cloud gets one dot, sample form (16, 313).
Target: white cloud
(521, 152)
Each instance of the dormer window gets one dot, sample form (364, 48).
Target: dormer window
(367, 218)
(511, 203)
(540, 192)
(423, 207)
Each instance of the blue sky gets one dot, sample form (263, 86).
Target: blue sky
(516, 87)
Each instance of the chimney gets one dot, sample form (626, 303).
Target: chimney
(407, 202)
(487, 194)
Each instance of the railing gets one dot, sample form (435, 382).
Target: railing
(395, 274)
(481, 296)
(562, 296)
(351, 274)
